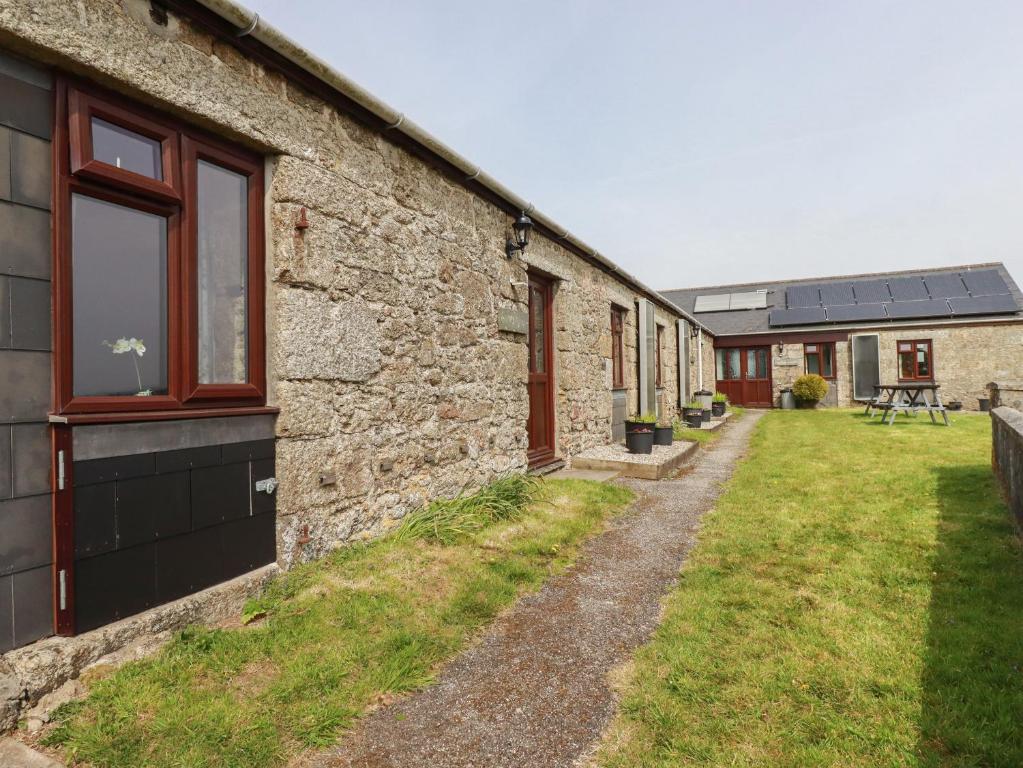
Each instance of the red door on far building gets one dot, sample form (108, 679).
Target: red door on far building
(744, 374)
(540, 426)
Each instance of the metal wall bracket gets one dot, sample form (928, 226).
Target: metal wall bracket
(267, 486)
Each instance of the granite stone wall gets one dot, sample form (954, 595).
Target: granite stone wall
(396, 383)
(1007, 456)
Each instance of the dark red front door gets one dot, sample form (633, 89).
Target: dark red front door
(744, 374)
(541, 378)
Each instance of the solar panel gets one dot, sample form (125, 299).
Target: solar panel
(749, 300)
(850, 312)
(871, 291)
(803, 296)
(907, 289)
(929, 308)
(718, 303)
(985, 282)
(836, 293)
(945, 285)
(797, 316)
(983, 305)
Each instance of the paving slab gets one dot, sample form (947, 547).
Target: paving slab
(14, 754)
(535, 690)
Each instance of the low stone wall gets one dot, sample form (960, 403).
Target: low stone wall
(1007, 455)
(1008, 394)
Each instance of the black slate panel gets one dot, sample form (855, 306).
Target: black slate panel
(262, 501)
(114, 585)
(152, 507)
(187, 458)
(25, 107)
(5, 163)
(6, 479)
(30, 313)
(186, 564)
(30, 452)
(95, 519)
(24, 241)
(25, 533)
(803, 296)
(114, 468)
(248, 451)
(33, 605)
(248, 543)
(24, 384)
(5, 312)
(219, 494)
(30, 170)
(6, 613)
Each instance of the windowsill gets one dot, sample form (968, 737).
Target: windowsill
(175, 415)
(619, 389)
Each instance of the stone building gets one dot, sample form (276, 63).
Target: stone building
(249, 313)
(961, 327)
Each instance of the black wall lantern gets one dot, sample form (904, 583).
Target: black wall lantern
(522, 226)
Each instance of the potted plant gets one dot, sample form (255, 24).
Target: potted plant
(664, 434)
(692, 413)
(719, 404)
(640, 439)
(643, 420)
(809, 390)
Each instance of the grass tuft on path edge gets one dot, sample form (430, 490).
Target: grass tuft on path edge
(854, 600)
(342, 634)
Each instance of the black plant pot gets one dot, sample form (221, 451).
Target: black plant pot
(664, 435)
(717, 409)
(640, 442)
(693, 417)
(706, 415)
(631, 426)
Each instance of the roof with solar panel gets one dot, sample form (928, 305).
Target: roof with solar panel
(968, 292)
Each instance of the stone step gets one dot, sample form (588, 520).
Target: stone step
(14, 754)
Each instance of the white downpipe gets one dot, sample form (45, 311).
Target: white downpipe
(699, 360)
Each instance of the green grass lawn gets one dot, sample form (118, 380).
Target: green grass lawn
(341, 635)
(856, 599)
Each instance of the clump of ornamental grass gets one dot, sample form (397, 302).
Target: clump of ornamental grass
(448, 520)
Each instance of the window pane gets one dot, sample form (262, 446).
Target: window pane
(923, 361)
(126, 149)
(223, 263)
(119, 277)
(828, 360)
(731, 364)
(756, 364)
(536, 305)
(906, 365)
(813, 364)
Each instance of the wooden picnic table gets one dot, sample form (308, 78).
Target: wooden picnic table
(908, 397)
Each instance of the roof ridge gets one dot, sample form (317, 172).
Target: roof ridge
(837, 277)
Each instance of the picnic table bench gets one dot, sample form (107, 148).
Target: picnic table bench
(907, 398)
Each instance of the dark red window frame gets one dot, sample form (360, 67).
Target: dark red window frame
(617, 348)
(818, 352)
(916, 345)
(76, 171)
(659, 357)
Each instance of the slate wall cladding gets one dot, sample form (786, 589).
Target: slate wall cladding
(156, 526)
(25, 517)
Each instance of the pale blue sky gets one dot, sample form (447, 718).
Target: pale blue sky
(721, 141)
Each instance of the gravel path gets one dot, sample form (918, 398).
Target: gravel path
(534, 692)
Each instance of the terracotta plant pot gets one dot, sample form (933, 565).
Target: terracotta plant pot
(664, 435)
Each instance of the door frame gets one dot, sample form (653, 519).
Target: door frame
(743, 384)
(537, 457)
